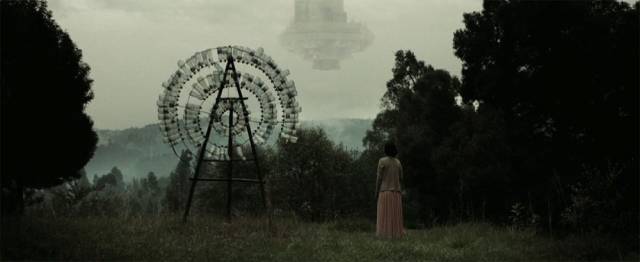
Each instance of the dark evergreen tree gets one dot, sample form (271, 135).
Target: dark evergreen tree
(145, 196)
(150, 183)
(46, 136)
(113, 179)
(178, 189)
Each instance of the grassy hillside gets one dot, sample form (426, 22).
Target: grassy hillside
(288, 240)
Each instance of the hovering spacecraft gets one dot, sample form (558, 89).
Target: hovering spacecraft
(320, 32)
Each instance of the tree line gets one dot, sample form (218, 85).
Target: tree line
(313, 179)
(546, 132)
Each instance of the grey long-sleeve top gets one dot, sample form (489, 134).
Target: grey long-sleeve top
(389, 174)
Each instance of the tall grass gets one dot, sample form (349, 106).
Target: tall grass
(251, 239)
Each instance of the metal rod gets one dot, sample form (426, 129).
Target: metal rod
(230, 151)
(205, 112)
(204, 146)
(253, 145)
(233, 99)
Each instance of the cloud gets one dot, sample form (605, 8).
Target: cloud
(132, 46)
(219, 11)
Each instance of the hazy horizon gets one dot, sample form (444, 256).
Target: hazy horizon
(133, 46)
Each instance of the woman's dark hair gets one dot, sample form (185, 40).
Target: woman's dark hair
(390, 149)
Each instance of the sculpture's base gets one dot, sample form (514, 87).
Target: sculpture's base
(326, 64)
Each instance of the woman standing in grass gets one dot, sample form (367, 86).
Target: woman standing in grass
(389, 217)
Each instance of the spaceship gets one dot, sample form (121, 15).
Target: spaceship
(320, 32)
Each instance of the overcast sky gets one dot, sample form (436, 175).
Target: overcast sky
(132, 47)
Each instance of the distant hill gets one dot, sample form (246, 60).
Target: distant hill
(138, 151)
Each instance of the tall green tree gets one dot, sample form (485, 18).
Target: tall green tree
(565, 76)
(472, 165)
(305, 171)
(46, 136)
(418, 110)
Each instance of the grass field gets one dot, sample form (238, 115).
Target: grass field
(287, 240)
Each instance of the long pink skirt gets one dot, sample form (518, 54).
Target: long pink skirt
(389, 221)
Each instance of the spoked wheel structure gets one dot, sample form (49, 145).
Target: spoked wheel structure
(223, 102)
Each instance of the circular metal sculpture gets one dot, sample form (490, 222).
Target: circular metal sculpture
(184, 106)
(192, 110)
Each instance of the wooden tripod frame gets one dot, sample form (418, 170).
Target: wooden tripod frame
(231, 67)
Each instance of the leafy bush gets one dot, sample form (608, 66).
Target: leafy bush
(523, 217)
(595, 202)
